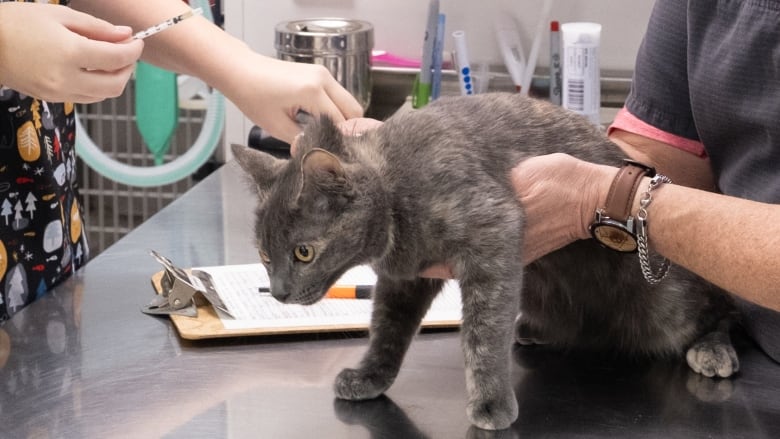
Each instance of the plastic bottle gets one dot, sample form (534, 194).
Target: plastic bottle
(581, 72)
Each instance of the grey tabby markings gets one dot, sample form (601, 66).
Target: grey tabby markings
(432, 186)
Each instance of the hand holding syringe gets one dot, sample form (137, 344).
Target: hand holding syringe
(157, 28)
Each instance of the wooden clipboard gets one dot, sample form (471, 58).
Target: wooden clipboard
(207, 324)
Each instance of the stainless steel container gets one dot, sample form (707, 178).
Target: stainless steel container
(342, 46)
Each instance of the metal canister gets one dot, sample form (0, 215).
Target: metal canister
(343, 46)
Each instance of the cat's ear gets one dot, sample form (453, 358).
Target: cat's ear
(261, 167)
(325, 185)
(324, 171)
(321, 133)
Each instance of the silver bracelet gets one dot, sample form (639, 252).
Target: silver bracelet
(641, 216)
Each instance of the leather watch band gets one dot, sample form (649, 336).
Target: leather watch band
(621, 193)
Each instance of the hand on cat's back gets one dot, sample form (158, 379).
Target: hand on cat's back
(351, 127)
(547, 185)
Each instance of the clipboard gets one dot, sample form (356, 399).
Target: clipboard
(207, 323)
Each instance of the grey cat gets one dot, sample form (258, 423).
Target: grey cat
(432, 186)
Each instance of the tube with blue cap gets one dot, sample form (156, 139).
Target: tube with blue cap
(462, 63)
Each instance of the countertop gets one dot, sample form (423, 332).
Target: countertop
(84, 362)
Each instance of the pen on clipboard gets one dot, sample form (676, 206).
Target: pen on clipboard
(462, 63)
(422, 85)
(340, 291)
(157, 28)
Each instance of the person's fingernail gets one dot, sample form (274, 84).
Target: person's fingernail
(294, 144)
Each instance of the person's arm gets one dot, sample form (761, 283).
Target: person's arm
(269, 91)
(731, 242)
(60, 55)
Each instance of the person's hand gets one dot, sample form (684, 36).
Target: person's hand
(351, 127)
(275, 90)
(57, 54)
(560, 195)
(359, 125)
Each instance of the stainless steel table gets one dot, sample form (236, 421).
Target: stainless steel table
(84, 362)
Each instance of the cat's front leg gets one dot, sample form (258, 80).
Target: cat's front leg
(399, 307)
(489, 310)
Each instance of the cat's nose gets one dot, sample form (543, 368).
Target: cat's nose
(281, 295)
(279, 292)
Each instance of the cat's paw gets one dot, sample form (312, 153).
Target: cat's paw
(493, 414)
(711, 358)
(359, 384)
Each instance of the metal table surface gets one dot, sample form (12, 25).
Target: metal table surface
(84, 362)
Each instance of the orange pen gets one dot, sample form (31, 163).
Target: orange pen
(341, 291)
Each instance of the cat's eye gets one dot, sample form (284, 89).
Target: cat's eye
(304, 253)
(264, 258)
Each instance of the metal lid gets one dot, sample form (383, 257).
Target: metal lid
(324, 35)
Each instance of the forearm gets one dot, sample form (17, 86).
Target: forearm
(194, 46)
(729, 241)
(732, 242)
(682, 167)
(268, 91)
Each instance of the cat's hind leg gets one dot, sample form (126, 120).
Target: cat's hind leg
(713, 354)
(399, 307)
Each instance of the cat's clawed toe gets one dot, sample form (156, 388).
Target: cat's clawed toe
(360, 384)
(493, 414)
(713, 358)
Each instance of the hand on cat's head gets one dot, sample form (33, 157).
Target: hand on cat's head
(351, 127)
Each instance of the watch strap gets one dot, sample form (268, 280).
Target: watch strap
(621, 193)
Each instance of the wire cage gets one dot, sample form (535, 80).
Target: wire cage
(111, 209)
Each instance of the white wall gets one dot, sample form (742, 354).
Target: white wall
(399, 27)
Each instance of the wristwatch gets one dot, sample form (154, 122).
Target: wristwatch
(613, 226)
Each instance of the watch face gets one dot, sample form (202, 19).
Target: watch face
(614, 237)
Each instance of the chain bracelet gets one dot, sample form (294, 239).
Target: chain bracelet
(651, 276)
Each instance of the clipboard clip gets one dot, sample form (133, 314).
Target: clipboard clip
(180, 290)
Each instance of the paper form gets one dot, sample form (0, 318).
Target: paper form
(237, 286)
